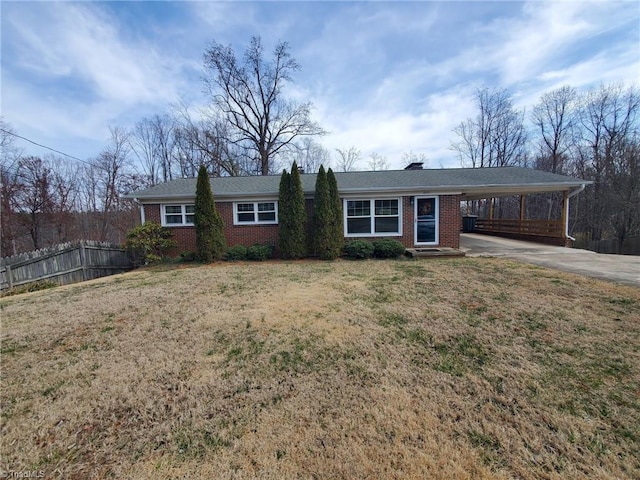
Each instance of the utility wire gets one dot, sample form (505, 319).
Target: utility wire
(44, 146)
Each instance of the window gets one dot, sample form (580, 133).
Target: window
(255, 212)
(375, 217)
(174, 215)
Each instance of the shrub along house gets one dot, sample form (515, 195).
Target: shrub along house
(419, 207)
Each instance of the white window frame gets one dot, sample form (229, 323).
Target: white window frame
(255, 221)
(372, 216)
(183, 213)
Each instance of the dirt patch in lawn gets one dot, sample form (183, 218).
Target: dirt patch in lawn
(440, 368)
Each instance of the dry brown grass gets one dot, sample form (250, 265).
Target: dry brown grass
(447, 368)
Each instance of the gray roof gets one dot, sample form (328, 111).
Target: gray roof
(471, 183)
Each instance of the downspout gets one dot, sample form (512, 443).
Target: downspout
(142, 218)
(572, 193)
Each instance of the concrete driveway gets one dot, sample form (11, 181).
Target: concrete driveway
(623, 269)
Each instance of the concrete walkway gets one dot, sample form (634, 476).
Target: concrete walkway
(623, 269)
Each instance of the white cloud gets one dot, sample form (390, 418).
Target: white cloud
(392, 133)
(75, 71)
(385, 77)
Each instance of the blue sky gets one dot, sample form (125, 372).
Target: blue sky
(385, 77)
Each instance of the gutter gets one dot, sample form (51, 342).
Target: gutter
(572, 193)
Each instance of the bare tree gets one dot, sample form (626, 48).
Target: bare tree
(496, 137)
(609, 125)
(249, 94)
(110, 176)
(378, 162)
(153, 143)
(61, 222)
(347, 159)
(554, 119)
(8, 150)
(206, 142)
(309, 155)
(33, 200)
(624, 192)
(9, 184)
(554, 122)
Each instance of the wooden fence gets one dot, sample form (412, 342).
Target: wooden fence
(67, 263)
(631, 246)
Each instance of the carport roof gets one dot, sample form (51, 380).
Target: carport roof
(470, 183)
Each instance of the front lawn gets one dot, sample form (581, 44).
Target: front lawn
(432, 368)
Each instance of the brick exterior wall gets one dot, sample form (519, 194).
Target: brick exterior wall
(234, 234)
(449, 223)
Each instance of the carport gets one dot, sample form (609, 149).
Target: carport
(550, 231)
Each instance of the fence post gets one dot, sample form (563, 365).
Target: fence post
(83, 262)
(8, 274)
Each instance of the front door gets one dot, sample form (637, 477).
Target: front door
(426, 220)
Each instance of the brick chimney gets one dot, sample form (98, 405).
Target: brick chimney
(414, 166)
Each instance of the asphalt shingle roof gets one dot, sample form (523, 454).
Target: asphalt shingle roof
(468, 181)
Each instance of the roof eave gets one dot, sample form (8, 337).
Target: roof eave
(467, 191)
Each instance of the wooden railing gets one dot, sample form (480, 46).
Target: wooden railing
(541, 228)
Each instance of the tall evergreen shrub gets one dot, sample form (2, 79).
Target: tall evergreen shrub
(292, 216)
(337, 227)
(210, 241)
(284, 202)
(323, 218)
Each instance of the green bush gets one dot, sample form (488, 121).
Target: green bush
(259, 253)
(358, 249)
(235, 253)
(187, 256)
(256, 253)
(387, 248)
(149, 243)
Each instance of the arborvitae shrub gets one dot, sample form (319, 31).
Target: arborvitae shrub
(323, 219)
(235, 253)
(358, 249)
(387, 248)
(292, 216)
(337, 228)
(210, 241)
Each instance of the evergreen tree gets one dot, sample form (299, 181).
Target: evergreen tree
(292, 216)
(323, 218)
(210, 241)
(337, 228)
(284, 213)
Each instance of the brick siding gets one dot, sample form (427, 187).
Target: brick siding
(449, 222)
(268, 234)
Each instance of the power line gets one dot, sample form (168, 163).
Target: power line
(44, 146)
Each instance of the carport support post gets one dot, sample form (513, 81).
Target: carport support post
(491, 208)
(522, 205)
(565, 215)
